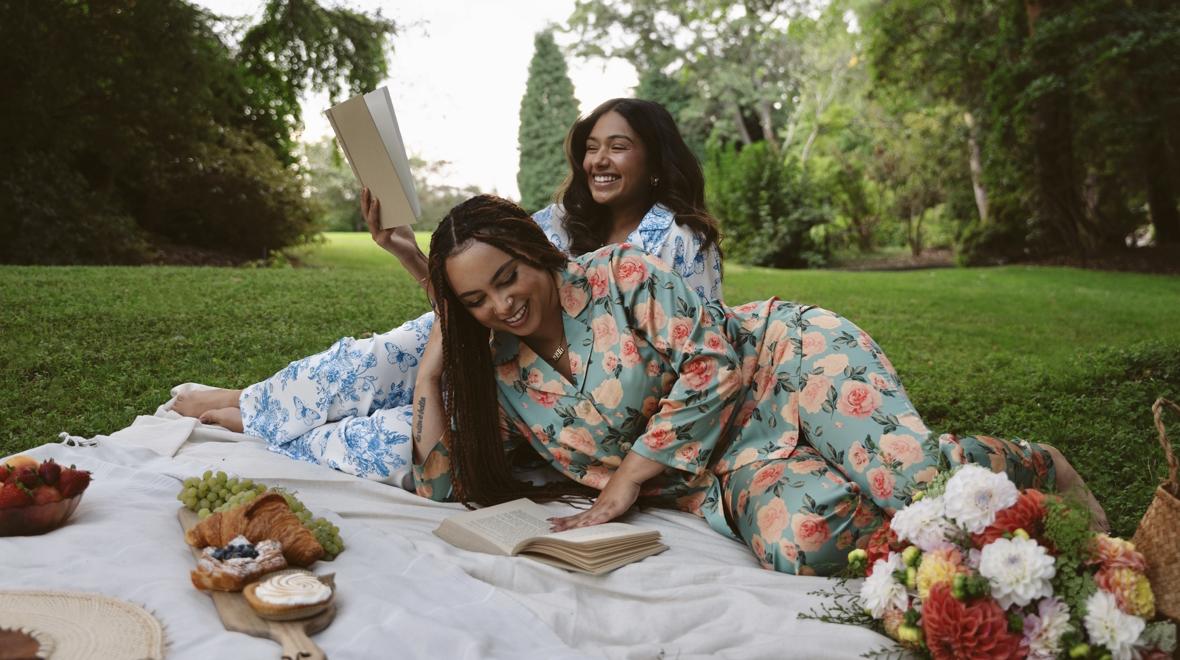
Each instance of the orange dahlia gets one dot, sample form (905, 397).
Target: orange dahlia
(1113, 552)
(1028, 514)
(964, 631)
(1131, 590)
(881, 543)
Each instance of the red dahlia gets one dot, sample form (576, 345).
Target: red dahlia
(964, 631)
(881, 543)
(1028, 514)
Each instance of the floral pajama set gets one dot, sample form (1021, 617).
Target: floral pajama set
(349, 406)
(783, 425)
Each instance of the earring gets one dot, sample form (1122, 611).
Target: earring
(655, 181)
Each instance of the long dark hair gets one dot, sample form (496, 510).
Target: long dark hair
(680, 186)
(480, 469)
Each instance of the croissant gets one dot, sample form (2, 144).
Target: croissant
(265, 517)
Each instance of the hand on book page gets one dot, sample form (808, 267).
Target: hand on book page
(520, 527)
(617, 497)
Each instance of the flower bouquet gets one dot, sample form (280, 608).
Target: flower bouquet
(975, 568)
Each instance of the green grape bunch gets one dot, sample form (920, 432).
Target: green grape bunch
(215, 492)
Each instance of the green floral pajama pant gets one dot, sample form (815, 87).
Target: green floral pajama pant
(860, 448)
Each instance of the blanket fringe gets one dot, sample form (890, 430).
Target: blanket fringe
(76, 440)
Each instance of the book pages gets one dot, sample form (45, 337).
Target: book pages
(381, 109)
(596, 533)
(508, 528)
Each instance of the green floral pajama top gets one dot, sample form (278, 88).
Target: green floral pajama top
(783, 425)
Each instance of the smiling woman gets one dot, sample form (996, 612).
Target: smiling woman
(783, 425)
(631, 178)
(617, 167)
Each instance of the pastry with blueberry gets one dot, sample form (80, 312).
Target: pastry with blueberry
(239, 562)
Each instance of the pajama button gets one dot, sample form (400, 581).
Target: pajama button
(625, 446)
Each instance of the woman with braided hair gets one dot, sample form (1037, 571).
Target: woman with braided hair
(631, 178)
(783, 425)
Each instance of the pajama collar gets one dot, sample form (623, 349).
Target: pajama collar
(653, 229)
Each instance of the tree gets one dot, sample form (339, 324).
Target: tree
(436, 199)
(547, 111)
(336, 196)
(130, 127)
(768, 205)
(332, 187)
(734, 58)
(1071, 110)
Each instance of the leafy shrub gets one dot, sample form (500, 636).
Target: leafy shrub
(990, 244)
(52, 216)
(135, 126)
(765, 207)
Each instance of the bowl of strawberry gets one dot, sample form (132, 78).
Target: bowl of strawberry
(37, 497)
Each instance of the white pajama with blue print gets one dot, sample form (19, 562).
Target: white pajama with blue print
(349, 406)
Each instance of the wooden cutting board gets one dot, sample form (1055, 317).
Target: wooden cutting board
(237, 615)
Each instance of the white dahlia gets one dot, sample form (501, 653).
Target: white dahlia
(1018, 570)
(974, 495)
(881, 591)
(924, 524)
(1043, 631)
(1109, 626)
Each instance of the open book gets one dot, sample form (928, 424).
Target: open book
(366, 130)
(520, 528)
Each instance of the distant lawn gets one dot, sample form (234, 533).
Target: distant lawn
(1064, 356)
(352, 250)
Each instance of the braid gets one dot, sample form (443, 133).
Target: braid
(480, 468)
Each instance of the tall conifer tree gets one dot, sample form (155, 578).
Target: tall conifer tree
(547, 111)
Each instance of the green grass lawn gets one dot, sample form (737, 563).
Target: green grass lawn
(1070, 357)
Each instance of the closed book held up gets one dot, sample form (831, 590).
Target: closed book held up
(367, 132)
(520, 528)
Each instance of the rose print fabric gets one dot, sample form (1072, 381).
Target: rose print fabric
(782, 425)
(658, 234)
(349, 406)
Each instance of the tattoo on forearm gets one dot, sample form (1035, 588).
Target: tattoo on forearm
(421, 417)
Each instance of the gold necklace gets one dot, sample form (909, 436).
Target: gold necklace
(561, 347)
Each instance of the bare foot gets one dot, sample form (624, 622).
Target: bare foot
(230, 418)
(197, 402)
(1070, 482)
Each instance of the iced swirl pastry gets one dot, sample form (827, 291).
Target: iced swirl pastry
(290, 594)
(231, 567)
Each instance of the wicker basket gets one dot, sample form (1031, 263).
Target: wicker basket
(1158, 536)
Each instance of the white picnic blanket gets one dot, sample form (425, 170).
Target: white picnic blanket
(402, 592)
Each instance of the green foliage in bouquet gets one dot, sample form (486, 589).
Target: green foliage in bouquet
(1067, 527)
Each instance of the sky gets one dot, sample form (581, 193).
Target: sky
(457, 75)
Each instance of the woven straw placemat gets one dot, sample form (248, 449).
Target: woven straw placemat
(83, 625)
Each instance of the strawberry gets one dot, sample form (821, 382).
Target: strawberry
(73, 481)
(49, 471)
(4, 472)
(13, 496)
(46, 495)
(27, 476)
